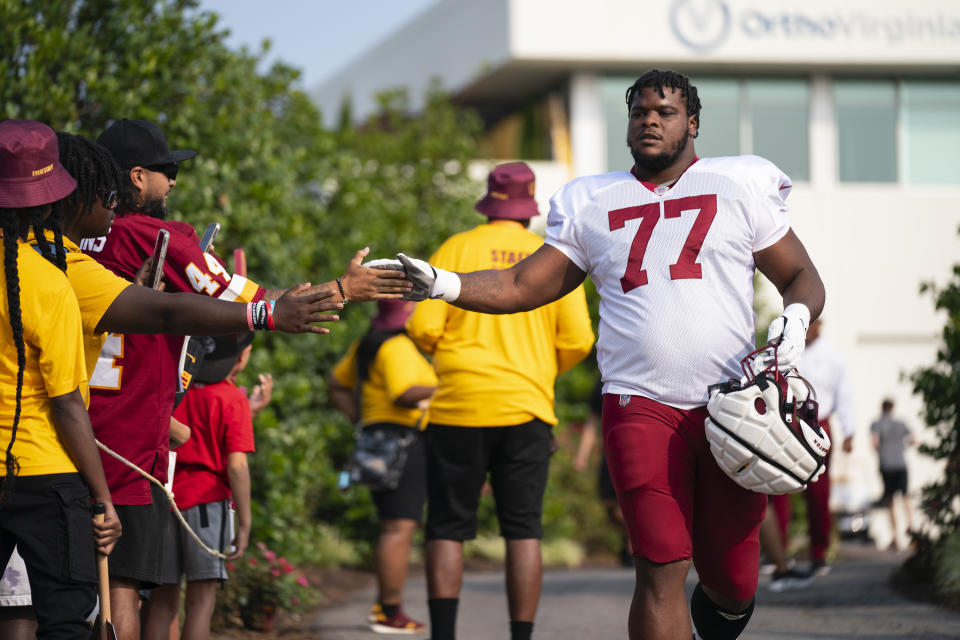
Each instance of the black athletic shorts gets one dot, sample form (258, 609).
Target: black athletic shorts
(894, 481)
(458, 460)
(407, 500)
(50, 520)
(138, 554)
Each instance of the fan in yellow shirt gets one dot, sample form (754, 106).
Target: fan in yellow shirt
(51, 465)
(493, 409)
(385, 377)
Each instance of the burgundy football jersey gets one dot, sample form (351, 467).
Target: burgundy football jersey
(133, 385)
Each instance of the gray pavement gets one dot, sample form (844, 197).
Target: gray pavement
(853, 601)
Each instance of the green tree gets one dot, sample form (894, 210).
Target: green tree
(299, 198)
(939, 385)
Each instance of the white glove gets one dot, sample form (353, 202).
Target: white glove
(429, 281)
(387, 264)
(789, 333)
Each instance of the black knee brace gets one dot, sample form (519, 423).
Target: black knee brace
(712, 621)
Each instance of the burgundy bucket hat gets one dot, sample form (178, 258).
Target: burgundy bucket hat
(510, 190)
(30, 171)
(392, 314)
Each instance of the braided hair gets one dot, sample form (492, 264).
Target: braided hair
(39, 221)
(657, 79)
(15, 223)
(94, 169)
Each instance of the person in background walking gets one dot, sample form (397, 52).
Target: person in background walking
(891, 437)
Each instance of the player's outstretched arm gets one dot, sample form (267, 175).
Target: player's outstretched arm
(538, 279)
(143, 310)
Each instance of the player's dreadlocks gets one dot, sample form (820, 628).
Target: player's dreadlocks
(92, 167)
(658, 79)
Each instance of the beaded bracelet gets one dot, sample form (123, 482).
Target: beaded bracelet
(342, 294)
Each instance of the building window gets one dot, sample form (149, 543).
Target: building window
(931, 131)
(866, 130)
(525, 133)
(719, 133)
(769, 117)
(613, 92)
(780, 123)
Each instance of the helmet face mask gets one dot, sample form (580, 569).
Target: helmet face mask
(763, 429)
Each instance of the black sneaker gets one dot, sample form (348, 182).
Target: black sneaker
(789, 579)
(819, 568)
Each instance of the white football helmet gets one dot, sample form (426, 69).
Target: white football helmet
(763, 429)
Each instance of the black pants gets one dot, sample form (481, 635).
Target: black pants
(49, 519)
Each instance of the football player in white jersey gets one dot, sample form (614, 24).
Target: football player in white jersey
(672, 246)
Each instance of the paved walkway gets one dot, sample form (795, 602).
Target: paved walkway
(853, 601)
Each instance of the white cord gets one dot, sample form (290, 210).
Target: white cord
(212, 552)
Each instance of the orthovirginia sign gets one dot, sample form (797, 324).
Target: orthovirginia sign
(704, 25)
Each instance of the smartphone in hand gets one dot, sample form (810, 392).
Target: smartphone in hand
(159, 257)
(206, 240)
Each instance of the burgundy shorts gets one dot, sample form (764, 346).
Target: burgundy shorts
(676, 501)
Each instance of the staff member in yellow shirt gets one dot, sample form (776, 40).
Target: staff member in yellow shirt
(51, 465)
(493, 408)
(395, 382)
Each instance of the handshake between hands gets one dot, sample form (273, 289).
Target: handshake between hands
(428, 281)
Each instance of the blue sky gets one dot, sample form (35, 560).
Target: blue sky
(317, 36)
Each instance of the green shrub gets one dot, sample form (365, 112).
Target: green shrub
(938, 543)
(262, 583)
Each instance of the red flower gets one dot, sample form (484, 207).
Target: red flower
(231, 566)
(252, 561)
(269, 555)
(302, 581)
(275, 572)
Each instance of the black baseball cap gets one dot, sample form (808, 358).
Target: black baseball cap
(222, 352)
(140, 143)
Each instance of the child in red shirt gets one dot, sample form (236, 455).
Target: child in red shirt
(211, 468)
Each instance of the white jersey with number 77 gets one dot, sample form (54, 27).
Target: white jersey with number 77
(674, 269)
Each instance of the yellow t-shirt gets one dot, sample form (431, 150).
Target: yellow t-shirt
(96, 287)
(397, 367)
(498, 370)
(54, 363)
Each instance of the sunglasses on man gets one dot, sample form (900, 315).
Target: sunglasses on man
(170, 169)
